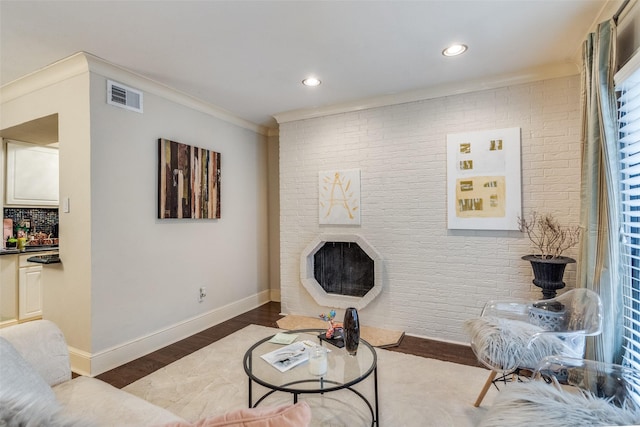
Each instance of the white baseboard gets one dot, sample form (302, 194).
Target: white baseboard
(275, 295)
(97, 363)
(80, 361)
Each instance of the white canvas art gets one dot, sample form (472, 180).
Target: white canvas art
(483, 180)
(339, 197)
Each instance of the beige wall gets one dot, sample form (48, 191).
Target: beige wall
(64, 89)
(274, 217)
(147, 272)
(129, 282)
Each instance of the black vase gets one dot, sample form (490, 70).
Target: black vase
(548, 273)
(351, 331)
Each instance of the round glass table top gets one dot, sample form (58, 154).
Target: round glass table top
(343, 370)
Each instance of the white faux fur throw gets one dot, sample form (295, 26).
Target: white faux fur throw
(28, 411)
(502, 343)
(536, 403)
(26, 400)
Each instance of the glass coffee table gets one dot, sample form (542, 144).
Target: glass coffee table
(343, 371)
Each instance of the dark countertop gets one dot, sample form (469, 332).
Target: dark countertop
(45, 259)
(29, 249)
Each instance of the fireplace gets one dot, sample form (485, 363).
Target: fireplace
(341, 271)
(343, 268)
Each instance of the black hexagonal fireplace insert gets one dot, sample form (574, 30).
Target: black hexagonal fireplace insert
(343, 268)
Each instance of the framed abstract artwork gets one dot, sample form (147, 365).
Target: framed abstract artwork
(339, 197)
(188, 181)
(484, 180)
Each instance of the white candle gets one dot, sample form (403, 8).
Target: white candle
(318, 361)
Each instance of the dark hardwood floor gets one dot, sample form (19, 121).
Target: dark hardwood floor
(265, 315)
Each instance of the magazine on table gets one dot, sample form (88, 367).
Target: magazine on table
(289, 356)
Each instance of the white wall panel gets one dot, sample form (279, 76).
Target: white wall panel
(434, 278)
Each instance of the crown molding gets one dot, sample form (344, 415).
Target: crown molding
(82, 62)
(457, 88)
(56, 72)
(115, 72)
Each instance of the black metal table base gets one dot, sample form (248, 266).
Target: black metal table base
(373, 409)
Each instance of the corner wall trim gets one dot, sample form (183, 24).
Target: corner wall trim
(109, 70)
(58, 71)
(102, 361)
(83, 62)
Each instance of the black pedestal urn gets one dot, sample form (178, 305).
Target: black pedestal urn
(548, 273)
(351, 331)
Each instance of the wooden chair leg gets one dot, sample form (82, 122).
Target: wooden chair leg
(487, 384)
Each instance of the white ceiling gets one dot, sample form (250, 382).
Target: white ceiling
(248, 57)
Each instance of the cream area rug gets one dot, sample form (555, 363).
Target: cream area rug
(413, 391)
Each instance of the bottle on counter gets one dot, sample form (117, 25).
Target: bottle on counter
(12, 242)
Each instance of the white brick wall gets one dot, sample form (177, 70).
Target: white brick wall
(434, 278)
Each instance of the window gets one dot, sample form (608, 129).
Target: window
(629, 133)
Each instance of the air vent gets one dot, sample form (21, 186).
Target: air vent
(124, 96)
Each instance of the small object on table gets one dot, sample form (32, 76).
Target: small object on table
(336, 340)
(351, 330)
(287, 357)
(283, 338)
(332, 325)
(318, 361)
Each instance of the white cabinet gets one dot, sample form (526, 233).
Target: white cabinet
(29, 289)
(8, 290)
(32, 175)
(30, 284)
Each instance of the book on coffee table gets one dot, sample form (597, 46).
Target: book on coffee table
(338, 341)
(288, 356)
(283, 338)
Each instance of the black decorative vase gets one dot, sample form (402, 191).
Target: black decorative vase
(548, 273)
(351, 331)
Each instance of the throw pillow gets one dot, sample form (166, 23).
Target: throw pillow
(23, 392)
(298, 415)
(505, 344)
(25, 398)
(18, 378)
(42, 344)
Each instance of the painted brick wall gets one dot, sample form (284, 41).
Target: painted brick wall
(434, 278)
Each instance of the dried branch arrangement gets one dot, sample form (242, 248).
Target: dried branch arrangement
(547, 235)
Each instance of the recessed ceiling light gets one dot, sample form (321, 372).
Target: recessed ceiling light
(454, 50)
(311, 81)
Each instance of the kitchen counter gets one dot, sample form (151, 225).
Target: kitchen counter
(29, 249)
(45, 259)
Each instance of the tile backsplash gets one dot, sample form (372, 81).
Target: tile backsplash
(42, 220)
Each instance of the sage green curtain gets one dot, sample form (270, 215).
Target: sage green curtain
(599, 259)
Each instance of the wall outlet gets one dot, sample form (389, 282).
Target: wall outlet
(203, 293)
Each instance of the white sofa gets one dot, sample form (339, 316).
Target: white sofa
(36, 385)
(36, 390)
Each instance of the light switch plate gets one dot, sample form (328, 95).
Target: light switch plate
(65, 205)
